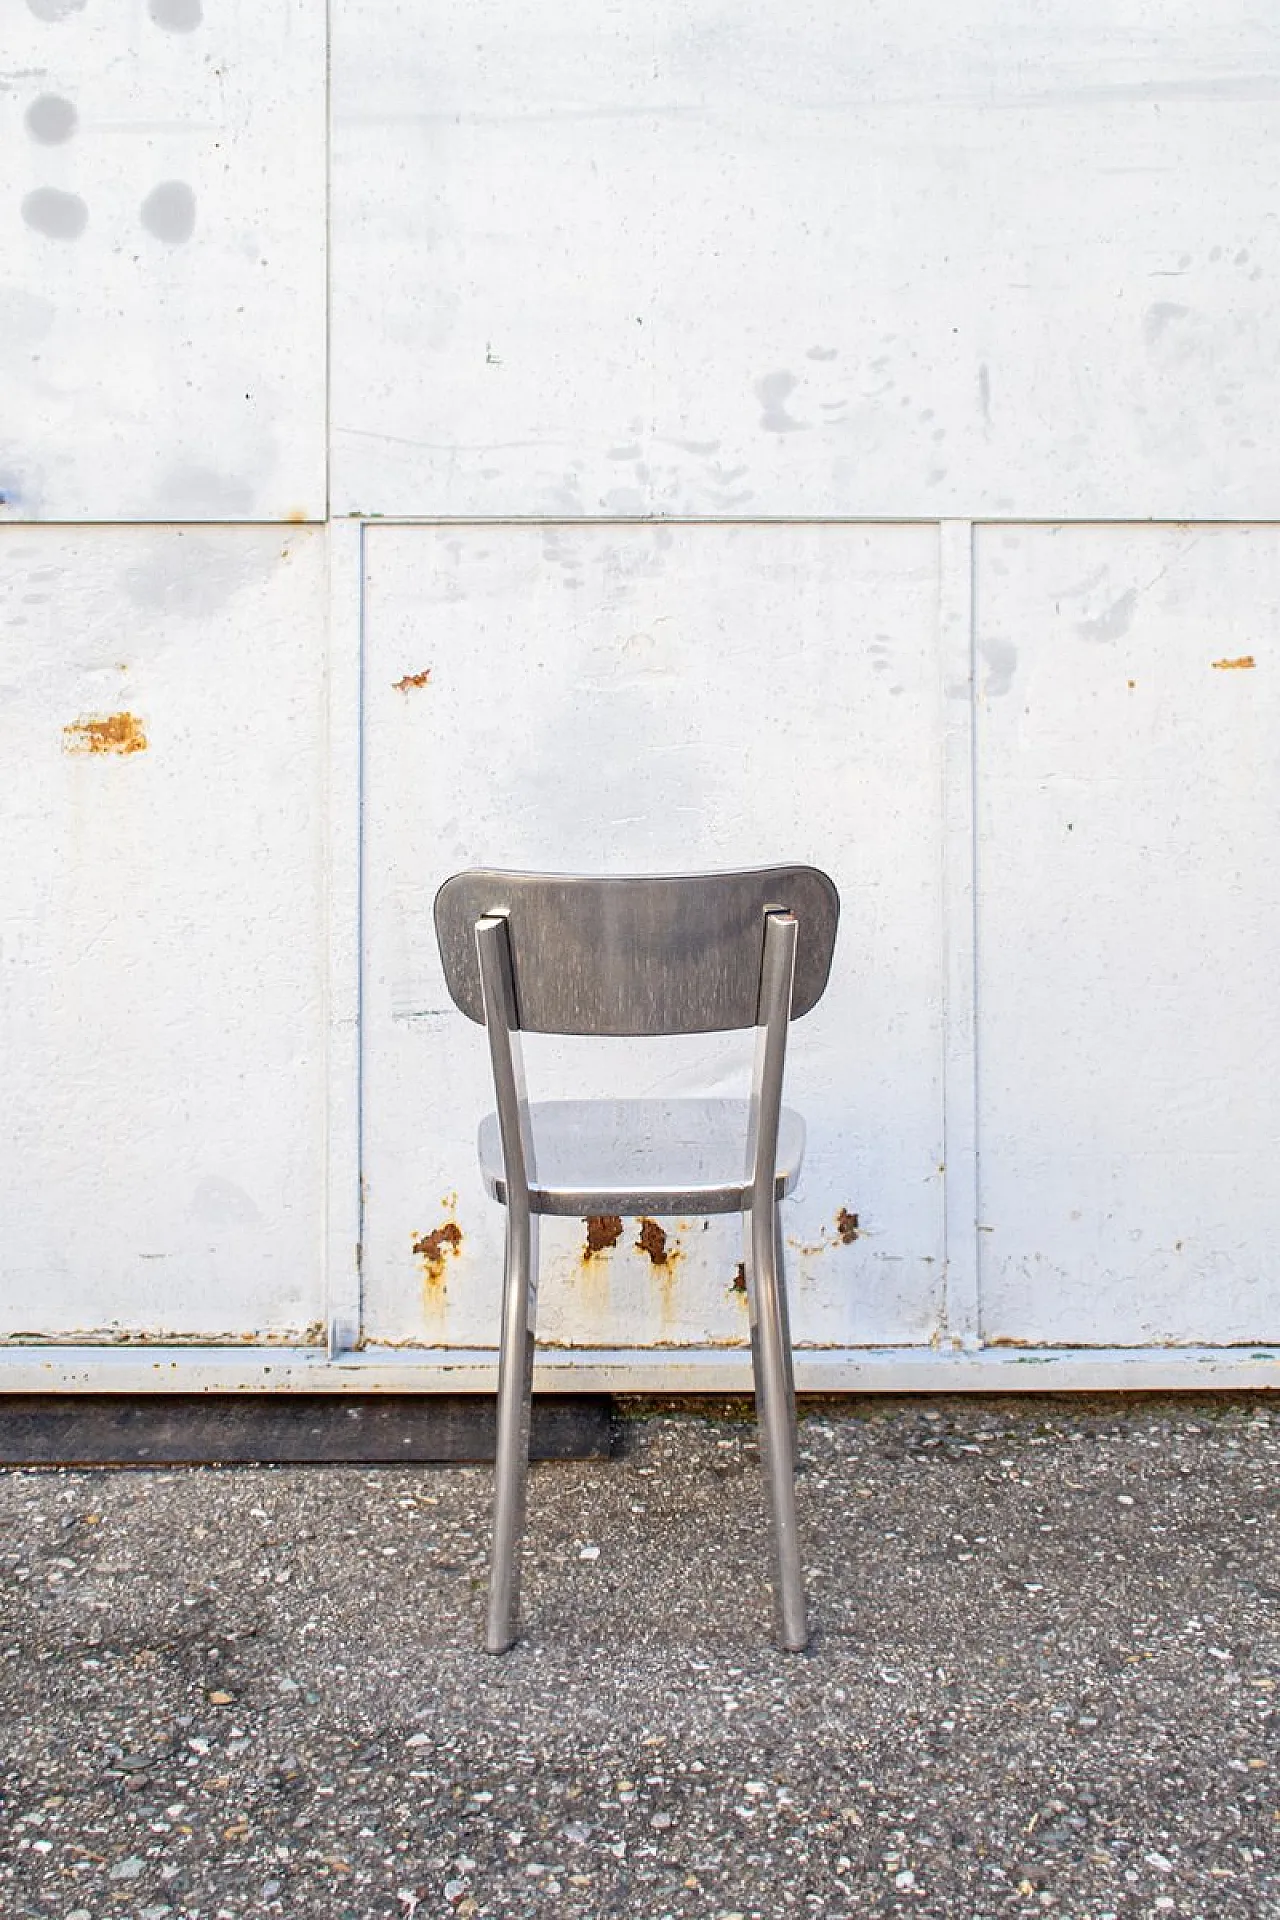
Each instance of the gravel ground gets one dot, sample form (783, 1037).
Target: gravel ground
(1044, 1677)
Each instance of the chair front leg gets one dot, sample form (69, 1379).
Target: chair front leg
(776, 1415)
(511, 1458)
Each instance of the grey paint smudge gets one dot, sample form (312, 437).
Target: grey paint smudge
(55, 9)
(822, 353)
(51, 119)
(177, 16)
(221, 1203)
(191, 576)
(59, 216)
(1157, 318)
(984, 392)
(1001, 657)
(1115, 622)
(198, 493)
(772, 393)
(169, 212)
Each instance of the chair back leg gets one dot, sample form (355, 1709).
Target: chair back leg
(511, 1462)
(776, 1416)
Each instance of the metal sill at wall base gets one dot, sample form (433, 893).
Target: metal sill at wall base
(597, 1370)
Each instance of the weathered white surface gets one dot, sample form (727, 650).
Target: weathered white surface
(727, 260)
(161, 1027)
(162, 275)
(915, 1369)
(931, 263)
(651, 699)
(1129, 915)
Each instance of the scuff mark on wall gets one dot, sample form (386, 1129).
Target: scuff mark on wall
(105, 733)
(1114, 623)
(773, 393)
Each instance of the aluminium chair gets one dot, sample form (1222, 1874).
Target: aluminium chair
(688, 953)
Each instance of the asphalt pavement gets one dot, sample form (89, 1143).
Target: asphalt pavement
(1043, 1678)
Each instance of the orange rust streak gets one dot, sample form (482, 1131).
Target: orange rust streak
(105, 733)
(435, 1248)
(411, 680)
(1230, 666)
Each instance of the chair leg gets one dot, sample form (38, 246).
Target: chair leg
(784, 1314)
(776, 1415)
(511, 1460)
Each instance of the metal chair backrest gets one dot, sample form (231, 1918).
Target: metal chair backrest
(678, 953)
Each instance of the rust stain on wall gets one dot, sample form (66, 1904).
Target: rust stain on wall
(653, 1241)
(739, 1282)
(412, 680)
(105, 733)
(434, 1250)
(604, 1230)
(848, 1229)
(1231, 666)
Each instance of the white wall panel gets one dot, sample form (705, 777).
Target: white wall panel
(162, 942)
(726, 260)
(654, 699)
(162, 278)
(1129, 916)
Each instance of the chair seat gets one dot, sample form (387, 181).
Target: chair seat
(636, 1157)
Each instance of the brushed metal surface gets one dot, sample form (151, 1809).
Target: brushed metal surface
(660, 954)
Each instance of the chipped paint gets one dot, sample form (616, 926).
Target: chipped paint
(105, 733)
(1234, 666)
(848, 1229)
(604, 1230)
(653, 1241)
(436, 1248)
(738, 1284)
(115, 1337)
(411, 680)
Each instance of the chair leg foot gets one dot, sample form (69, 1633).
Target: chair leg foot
(511, 1454)
(776, 1415)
